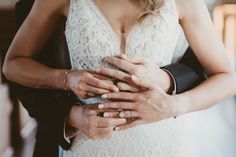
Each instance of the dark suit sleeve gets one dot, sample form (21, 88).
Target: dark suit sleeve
(48, 107)
(188, 73)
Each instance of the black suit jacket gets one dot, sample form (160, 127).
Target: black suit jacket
(50, 107)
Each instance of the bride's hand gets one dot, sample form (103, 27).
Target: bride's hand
(147, 72)
(87, 84)
(144, 107)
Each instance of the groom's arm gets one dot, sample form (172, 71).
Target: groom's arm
(187, 73)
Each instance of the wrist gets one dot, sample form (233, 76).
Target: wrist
(69, 130)
(60, 81)
(63, 79)
(181, 104)
(71, 125)
(73, 117)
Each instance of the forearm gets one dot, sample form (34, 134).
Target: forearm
(207, 94)
(33, 74)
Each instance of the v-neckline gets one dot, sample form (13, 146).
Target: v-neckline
(111, 30)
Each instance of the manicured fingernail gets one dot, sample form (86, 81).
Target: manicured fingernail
(116, 89)
(101, 106)
(117, 129)
(105, 114)
(134, 77)
(104, 96)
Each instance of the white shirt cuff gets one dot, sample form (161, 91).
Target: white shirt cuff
(68, 134)
(174, 81)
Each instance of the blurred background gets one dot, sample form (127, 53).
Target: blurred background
(17, 129)
(213, 132)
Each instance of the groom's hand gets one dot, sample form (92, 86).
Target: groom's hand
(148, 72)
(87, 120)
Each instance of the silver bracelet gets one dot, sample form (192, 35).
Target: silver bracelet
(66, 80)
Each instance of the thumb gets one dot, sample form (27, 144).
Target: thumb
(138, 82)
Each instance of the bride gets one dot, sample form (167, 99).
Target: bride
(115, 47)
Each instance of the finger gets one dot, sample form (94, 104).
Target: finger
(129, 125)
(100, 112)
(102, 77)
(101, 84)
(95, 108)
(126, 87)
(113, 73)
(117, 105)
(133, 59)
(139, 83)
(120, 96)
(111, 114)
(96, 91)
(121, 64)
(102, 122)
(122, 114)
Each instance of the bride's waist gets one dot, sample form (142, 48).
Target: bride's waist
(158, 130)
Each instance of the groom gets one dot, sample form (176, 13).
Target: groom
(52, 107)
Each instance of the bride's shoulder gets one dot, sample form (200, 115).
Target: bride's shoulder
(189, 7)
(52, 5)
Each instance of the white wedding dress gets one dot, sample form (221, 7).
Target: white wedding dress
(90, 38)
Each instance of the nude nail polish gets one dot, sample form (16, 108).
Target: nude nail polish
(105, 114)
(134, 77)
(104, 96)
(101, 106)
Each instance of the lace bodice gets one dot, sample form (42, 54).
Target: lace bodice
(90, 38)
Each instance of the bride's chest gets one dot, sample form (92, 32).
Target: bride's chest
(90, 35)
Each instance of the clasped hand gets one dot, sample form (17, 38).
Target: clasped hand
(140, 99)
(150, 103)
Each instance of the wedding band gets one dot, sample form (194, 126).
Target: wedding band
(122, 114)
